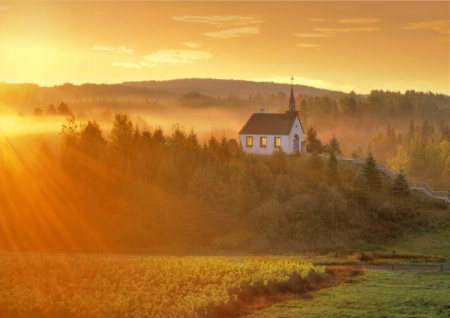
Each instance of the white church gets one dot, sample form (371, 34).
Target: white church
(265, 133)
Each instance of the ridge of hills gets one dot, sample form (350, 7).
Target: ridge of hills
(170, 89)
(227, 87)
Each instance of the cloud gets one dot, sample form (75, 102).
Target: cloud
(236, 25)
(114, 49)
(317, 20)
(135, 65)
(311, 35)
(312, 82)
(440, 26)
(358, 21)
(192, 45)
(309, 45)
(346, 30)
(127, 65)
(233, 33)
(177, 56)
(219, 20)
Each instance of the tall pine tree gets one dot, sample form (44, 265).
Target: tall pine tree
(400, 186)
(371, 173)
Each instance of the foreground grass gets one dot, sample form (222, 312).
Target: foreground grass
(375, 294)
(46, 285)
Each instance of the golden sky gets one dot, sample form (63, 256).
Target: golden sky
(336, 45)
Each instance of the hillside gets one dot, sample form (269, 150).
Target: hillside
(235, 88)
(143, 191)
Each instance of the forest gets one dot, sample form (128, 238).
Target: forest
(141, 190)
(119, 172)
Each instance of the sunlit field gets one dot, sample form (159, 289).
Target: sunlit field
(58, 285)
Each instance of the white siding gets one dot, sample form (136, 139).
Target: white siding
(256, 148)
(296, 130)
(287, 141)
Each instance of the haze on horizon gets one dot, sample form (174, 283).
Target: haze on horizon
(343, 46)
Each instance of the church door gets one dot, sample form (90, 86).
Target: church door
(296, 144)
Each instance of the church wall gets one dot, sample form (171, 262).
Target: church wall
(287, 141)
(296, 130)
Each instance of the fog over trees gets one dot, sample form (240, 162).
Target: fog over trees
(111, 181)
(133, 189)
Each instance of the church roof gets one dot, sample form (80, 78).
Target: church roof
(270, 124)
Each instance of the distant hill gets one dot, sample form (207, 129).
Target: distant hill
(34, 95)
(226, 88)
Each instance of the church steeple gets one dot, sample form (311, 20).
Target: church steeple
(292, 99)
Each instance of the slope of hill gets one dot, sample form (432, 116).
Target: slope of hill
(226, 88)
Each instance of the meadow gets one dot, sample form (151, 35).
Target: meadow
(392, 294)
(381, 293)
(82, 285)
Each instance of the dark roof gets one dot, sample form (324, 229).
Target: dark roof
(270, 124)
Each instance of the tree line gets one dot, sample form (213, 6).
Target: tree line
(140, 190)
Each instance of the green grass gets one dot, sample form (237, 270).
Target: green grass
(431, 243)
(392, 294)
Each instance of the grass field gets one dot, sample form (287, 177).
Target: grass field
(77, 285)
(376, 294)
(379, 294)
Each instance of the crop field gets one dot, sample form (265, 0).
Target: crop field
(62, 285)
(392, 294)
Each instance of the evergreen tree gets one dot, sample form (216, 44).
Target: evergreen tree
(427, 131)
(122, 142)
(411, 131)
(371, 173)
(333, 146)
(445, 132)
(349, 104)
(92, 142)
(400, 186)
(63, 110)
(313, 144)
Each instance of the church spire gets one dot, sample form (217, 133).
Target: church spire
(292, 99)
